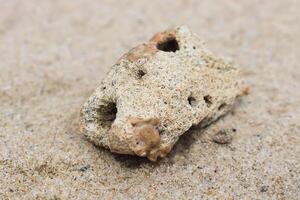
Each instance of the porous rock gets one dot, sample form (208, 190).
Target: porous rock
(156, 92)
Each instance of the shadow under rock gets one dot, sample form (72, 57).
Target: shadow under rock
(131, 161)
(186, 140)
(181, 147)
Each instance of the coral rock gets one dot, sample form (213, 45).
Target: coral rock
(156, 92)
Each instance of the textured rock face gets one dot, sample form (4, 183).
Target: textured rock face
(156, 92)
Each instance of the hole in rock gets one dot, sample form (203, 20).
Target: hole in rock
(208, 100)
(140, 73)
(192, 101)
(169, 45)
(107, 114)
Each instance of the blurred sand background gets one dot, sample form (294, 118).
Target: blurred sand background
(54, 53)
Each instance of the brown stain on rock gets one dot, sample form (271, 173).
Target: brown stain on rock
(142, 51)
(148, 49)
(146, 138)
(163, 36)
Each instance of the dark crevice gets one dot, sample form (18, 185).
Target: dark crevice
(192, 101)
(169, 45)
(222, 106)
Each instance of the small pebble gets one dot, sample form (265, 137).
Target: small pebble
(223, 137)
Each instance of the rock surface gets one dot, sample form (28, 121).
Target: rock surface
(156, 92)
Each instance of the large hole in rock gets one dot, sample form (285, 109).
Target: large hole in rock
(107, 114)
(169, 45)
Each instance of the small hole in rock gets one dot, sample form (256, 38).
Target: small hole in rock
(140, 73)
(169, 45)
(222, 106)
(208, 100)
(192, 101)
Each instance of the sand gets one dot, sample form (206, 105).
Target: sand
(54, 53)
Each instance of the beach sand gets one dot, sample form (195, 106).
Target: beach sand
(53, 54)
